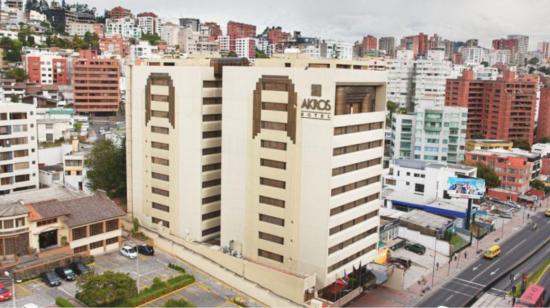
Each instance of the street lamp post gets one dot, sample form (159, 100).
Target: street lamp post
(435, 254)
(137, 268)
(12, 276)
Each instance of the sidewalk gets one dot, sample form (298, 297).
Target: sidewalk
(469, 255)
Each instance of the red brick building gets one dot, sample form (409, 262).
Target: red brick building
(237, 30)
(543, 124)
(513, 167)
(46, 68)
(114, 45)
(417, 43)
(497, 109)
(119, 12)
(96, 84)
(508, 44)
(214, 30)
(276, 35)
(369, 42)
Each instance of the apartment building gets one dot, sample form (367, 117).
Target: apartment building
(236, 30)
(515, 168)
(245, 47)
(387, 44)
(543, 123)
(96, 84)
(303, 195)
(46, 67)
(174, 112)
(125, 27)
(169, 33)
(18, 148)
(114, 45)
(433, 134)
(497, 109)
(148, 22)
(81, 28)
(74, 168)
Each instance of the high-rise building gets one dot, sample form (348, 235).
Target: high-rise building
(419, 82)
(192, 23)
(336, 50)
(46, 67)
(497, 109)
(369, 42)
(432, 134)
(148, 22)
(473, 55)
(276, 35)
(236, 30)
(523, 42)
(18, 148)
(283, 176)
(214, 30)
(417, 43)
(387, 44)
(472, 43)
(543, 124)
(119, 12)
(544, 49)
(508, 44)
(125, 27)
(169, 33)
(245, 47)
(303, 197)
(96, 83)
(174, 112)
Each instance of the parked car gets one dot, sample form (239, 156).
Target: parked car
(146, 250)
(416, 248)
(5, 294)
(65, 273)
(129, 251)
(79, 268)
(51, 279)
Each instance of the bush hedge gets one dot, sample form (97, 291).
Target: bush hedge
(176, 267)
(178, 303)
(63, 302)
(158, 289)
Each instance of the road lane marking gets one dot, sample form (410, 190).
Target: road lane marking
(512, 249)
(495, 271)
(448, 298)
(468, 281)
(475, 268)
(457, 292)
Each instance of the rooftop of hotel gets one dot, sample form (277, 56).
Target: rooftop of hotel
(423, 165)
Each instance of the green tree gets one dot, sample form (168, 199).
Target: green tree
(107, 165)
(18, 74)
(178, 303)
(485, 63)
(12, 49)
(533, 61)
(106, 290)
(522, 144)
(153, 39)
(537, 184)
(260, 54)
(488, 174)
(232, 54)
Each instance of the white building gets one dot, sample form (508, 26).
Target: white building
(502, 56)
(34, 16)
(52, 130)
(75, 170)
(400, 76)
(245, 47)
(430, 77)
(142, 50)
(80, 28)
(262, 44)
(196, 42)
(421, 82)
(432, 134)
(126, 27)
(18, 148)
(312, 51)
(474, 55)
(523, 42)
(336, 50)
(169, 33)
(224, 42)
(148, 22)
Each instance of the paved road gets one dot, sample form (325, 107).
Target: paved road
(461, 290)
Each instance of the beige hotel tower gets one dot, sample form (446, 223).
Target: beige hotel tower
(279, 163)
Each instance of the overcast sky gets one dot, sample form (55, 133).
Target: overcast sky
(349, 20)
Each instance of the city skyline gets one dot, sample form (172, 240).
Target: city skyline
(350, 20)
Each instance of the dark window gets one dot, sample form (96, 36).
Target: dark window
(275, 106)
(156, 221)
(211, 231)
(112, 225)
(276, 145)
(272, 220)
(270, 255)
(160, 130)
(159, 191)
(97, 244)
(355, 185)
(353, 222)
(272, 183)
(211, 100)
(211, 183)
(160, 207)
(211, 117)
(79, 233)
(160, 161)
(46, 222)
(274, 125)
(160, 145)
(96, 229)
(354, 256)
(212, 134)
(212, 84)
(210, 167)
(272, 201)
(211, 215)
(211, 199)
(272, 163)
(111, 240)
(271, 238)
(354, 204)
(160, 176)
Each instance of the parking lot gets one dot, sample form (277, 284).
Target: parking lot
(206, 291)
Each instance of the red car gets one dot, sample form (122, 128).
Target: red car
(5, 294)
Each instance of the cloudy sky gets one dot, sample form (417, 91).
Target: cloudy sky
(348, 20)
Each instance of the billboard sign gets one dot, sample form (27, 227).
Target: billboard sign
(466, 188)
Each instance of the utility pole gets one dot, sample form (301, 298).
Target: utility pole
(435, 254)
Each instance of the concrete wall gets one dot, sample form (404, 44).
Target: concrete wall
(443, 247)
